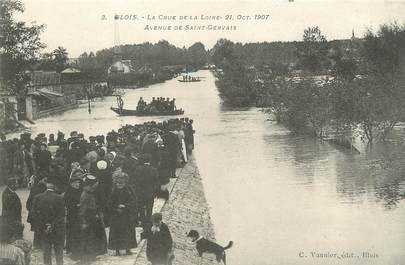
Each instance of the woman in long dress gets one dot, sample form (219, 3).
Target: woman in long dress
(93, 239)
(122, 206)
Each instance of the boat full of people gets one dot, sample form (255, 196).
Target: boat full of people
(157, 107)
(188, 78)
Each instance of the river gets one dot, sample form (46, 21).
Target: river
(279, 197)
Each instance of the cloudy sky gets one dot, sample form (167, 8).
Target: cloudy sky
(78, 25)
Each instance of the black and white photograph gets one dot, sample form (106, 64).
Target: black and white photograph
(202, 132)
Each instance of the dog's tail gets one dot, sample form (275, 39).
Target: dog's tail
(230, 244)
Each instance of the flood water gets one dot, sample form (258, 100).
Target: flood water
(276, 195)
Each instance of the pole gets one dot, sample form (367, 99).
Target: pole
(88, 101)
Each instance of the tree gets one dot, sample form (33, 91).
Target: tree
(382, 103)
(60, 58)
(374, 103)
(46, 62)
(223, 50)
(384, 51)
(343, 66)
(312, 51)
(20, 43)
(237, 83)
(88, 62)
(197, 55)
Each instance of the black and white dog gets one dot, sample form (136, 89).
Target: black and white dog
(204, 245)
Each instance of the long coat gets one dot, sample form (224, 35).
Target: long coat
(173, 146)
(36, 189)
(129, 167)
(159, 245)
(103, 192)
(11, 211)
(72, 201)
(42, 161)
(164, 167)
(22, 164)
(147, 182)
(151, 148)
(122, 228)
(93, 238)
(49, 208)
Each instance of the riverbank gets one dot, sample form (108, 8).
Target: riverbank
(186, 209)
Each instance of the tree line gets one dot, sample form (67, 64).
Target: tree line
(325, 86)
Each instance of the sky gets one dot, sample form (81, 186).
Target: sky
(78, 26)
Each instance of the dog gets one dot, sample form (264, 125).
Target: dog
(204, 245)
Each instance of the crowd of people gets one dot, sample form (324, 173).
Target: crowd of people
(79, 187)
(156, 105)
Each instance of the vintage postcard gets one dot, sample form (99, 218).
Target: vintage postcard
(202, 132)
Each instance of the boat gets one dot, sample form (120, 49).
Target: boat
(187, 81)
(129, 112)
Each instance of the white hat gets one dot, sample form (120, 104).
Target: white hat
(101, 164)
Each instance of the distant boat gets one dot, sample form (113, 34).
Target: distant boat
(186, 81)
(129, 112)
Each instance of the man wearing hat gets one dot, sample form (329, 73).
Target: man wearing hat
(73, 137)
(172, 143)
(22, 163)
(43, 160)
(60, 138)
(11, 210)
(72, 202)
(147, 187)
(38, 186)
(49, 215)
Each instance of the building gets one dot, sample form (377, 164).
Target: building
(121, 66)
(48, 95)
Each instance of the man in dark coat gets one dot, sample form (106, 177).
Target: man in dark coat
(129, 167)
(164, 172)
(49, 215)
(72, 201)
(23, 166)
(146, 188)
(172, 143)
(11, 212)
(150, 147)
(37, 187)
(43, 160)
(159, 241)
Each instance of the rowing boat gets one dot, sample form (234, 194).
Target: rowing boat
(129, 112)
